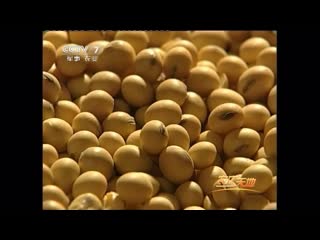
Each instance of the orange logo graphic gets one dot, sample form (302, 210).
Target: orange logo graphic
(226, 183)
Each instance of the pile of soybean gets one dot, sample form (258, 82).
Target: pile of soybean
(158, 118)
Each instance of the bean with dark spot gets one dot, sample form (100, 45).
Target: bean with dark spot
(241, 148)
(248, 85)
(162, 130)
(153, 60)
(227, 115)
(174, 71)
